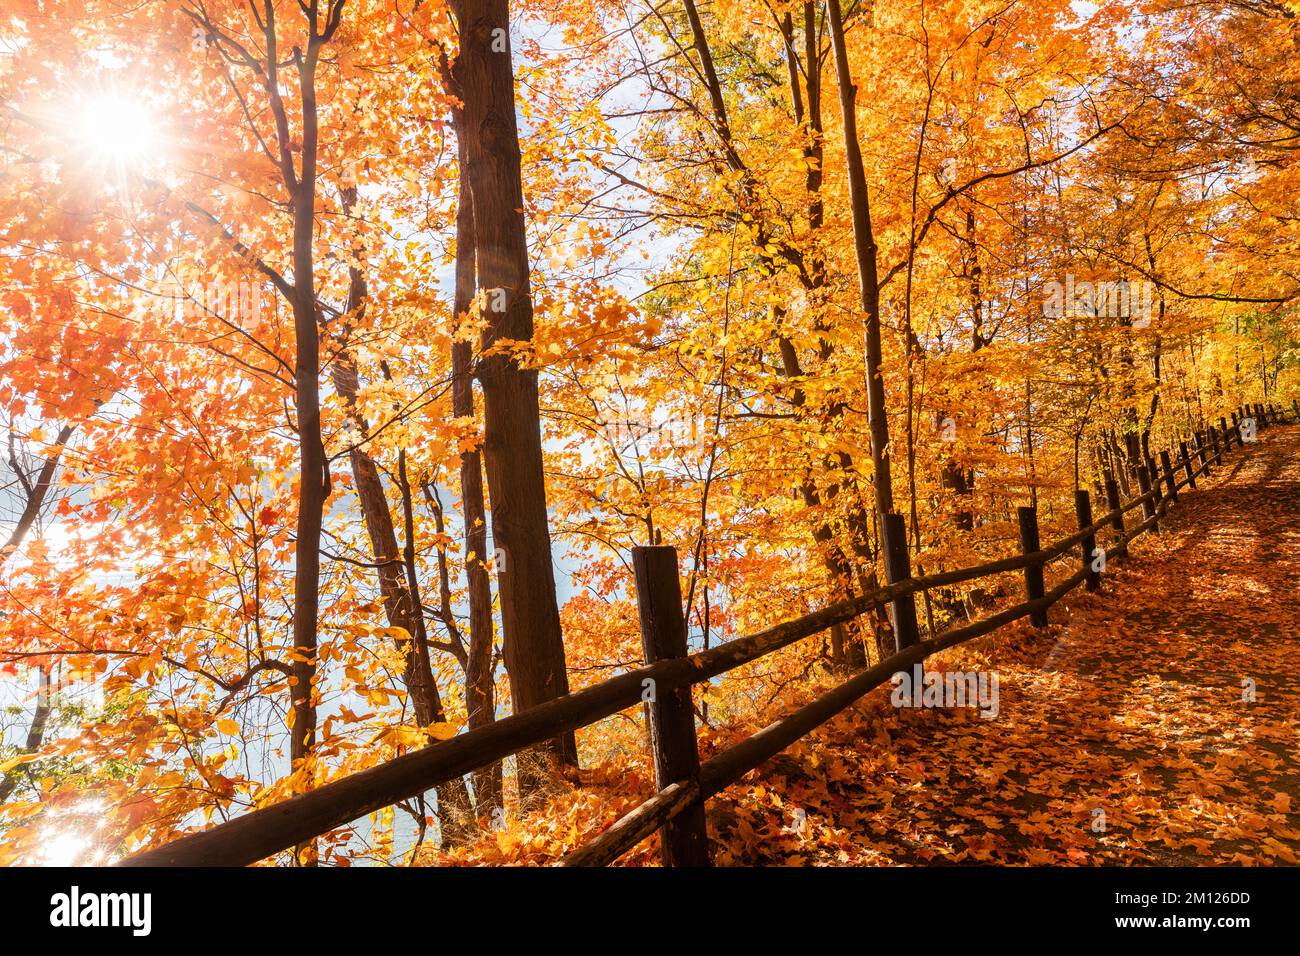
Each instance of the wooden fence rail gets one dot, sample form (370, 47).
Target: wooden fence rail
(664, 682)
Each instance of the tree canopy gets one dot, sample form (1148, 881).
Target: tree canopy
(347, 349)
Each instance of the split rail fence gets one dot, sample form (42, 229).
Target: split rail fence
(684, 783)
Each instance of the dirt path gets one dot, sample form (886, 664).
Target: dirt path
(1123, 737)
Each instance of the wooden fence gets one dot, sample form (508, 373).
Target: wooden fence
(665, 681)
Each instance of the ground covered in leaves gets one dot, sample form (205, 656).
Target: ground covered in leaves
(1126, 731)
(1125, 735)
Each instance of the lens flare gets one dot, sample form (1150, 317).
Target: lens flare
(117, 130)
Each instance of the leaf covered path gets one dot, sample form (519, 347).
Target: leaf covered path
(1123, 735)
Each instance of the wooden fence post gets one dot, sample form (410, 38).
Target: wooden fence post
(685, 838)
(1295, 403)
(1034, 590)
(1153, 475)
(1113, 503)
(898, 567)
(1203, 453)
(1148, 504)
(1187, 464)
(1083, 508)
(1236, 427)
(1167, 467)
(1227, 434)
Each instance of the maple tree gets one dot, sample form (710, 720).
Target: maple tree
(349, 348)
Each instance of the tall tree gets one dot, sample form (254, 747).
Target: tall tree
(532, 641)
(480, 674)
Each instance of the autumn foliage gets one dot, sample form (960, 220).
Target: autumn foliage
(273, 403)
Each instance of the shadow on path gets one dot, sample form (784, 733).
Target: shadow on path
(1126, 732)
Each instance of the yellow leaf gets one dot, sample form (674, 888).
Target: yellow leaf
(18, 761)
(407, 736)
(442, 731)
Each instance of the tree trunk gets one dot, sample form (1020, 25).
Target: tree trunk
(864, 244)
(532, 641)
(401, 599)
(846, 646)
(313, 477)
(35, 497)
(954, 477)
(480, 679)
(35, 733)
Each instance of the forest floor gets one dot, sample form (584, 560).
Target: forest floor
(1124, 734)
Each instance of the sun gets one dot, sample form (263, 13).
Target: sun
(64, 849)
(117, 130)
